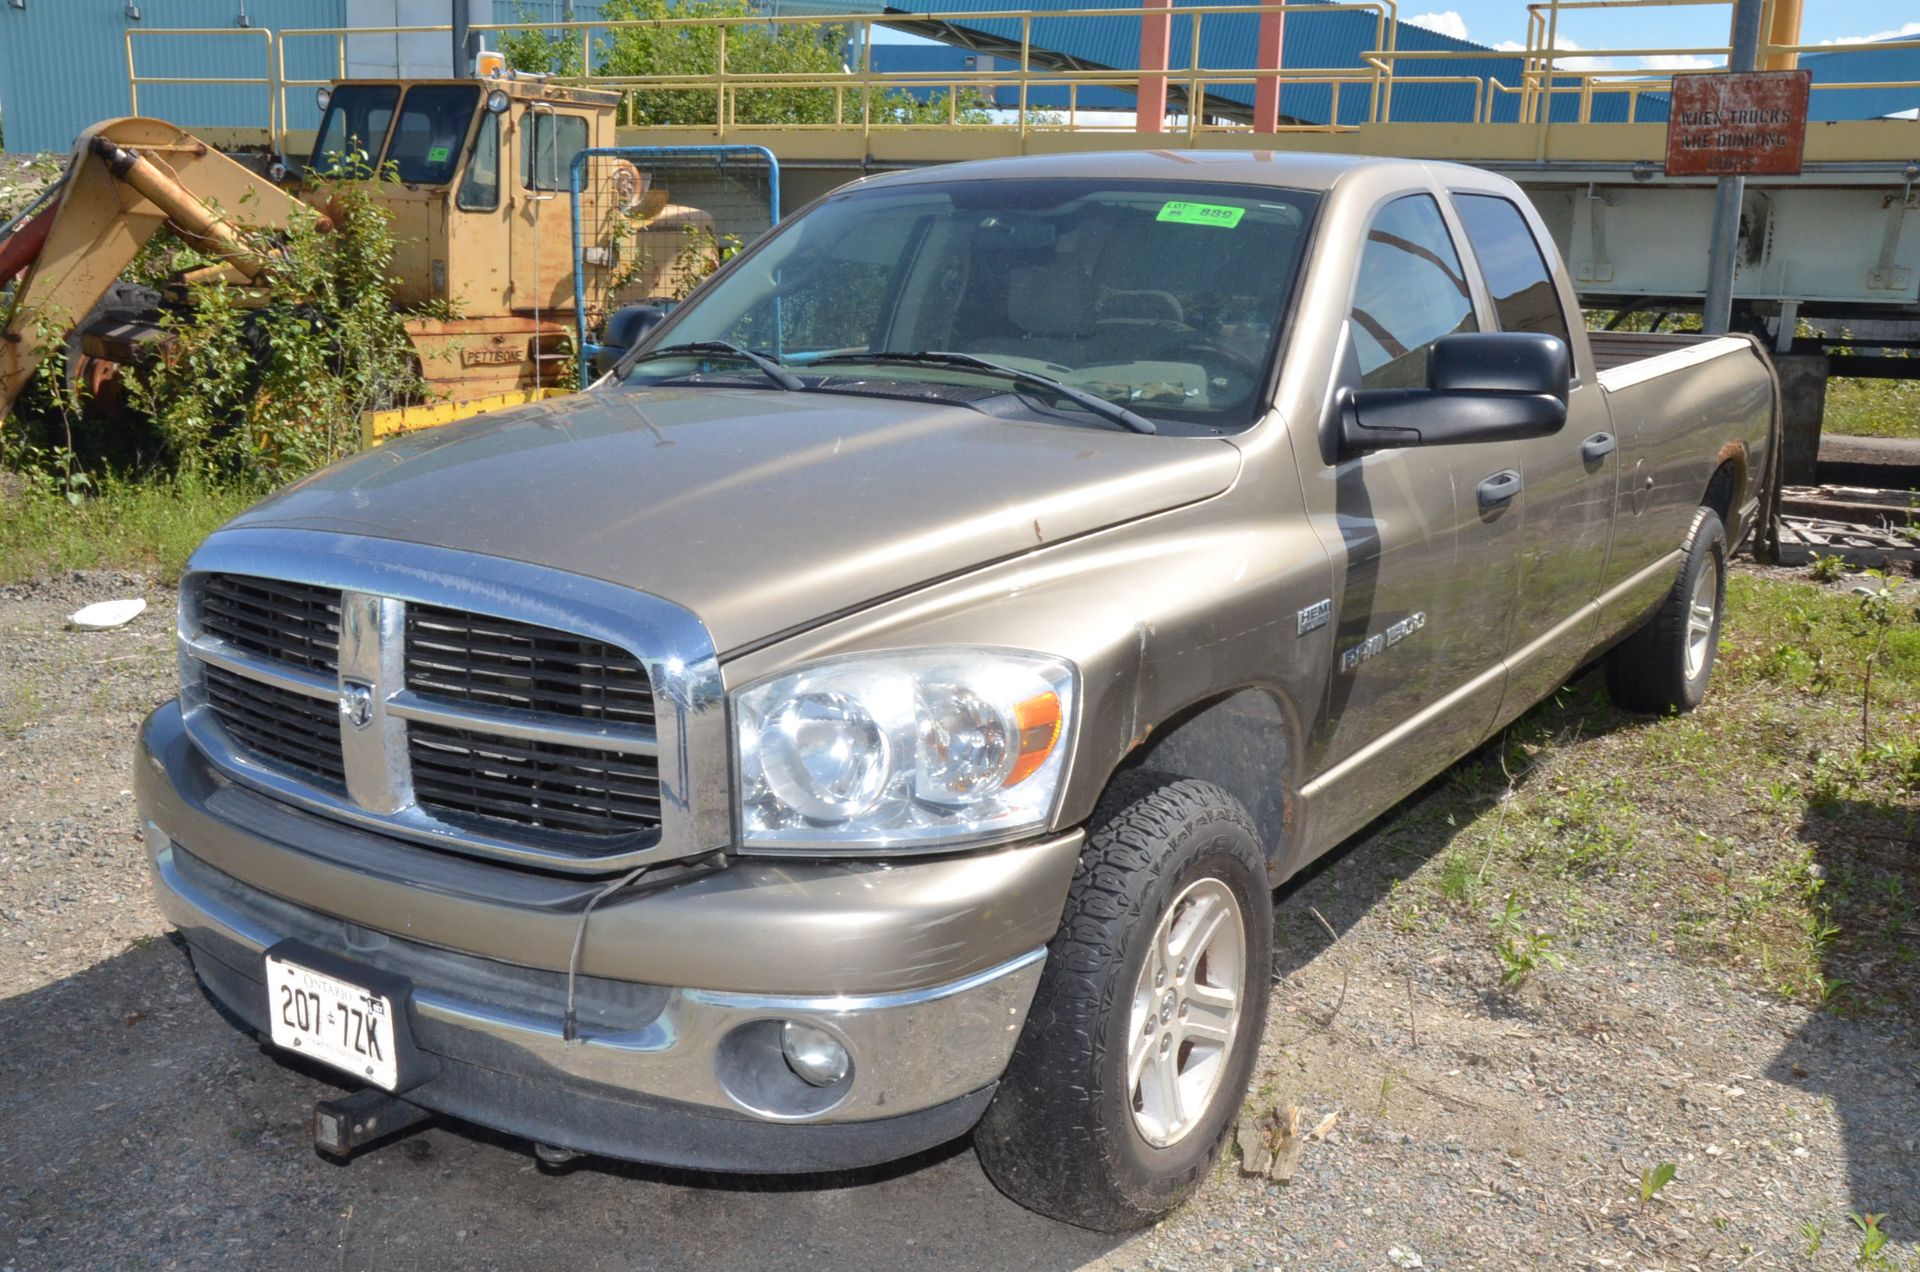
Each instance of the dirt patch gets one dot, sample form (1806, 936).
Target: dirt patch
(1479, 1125)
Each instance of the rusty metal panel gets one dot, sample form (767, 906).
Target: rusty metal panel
(1747, 125)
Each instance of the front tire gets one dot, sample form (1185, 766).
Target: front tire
(1147, 1020)
(1664, 667)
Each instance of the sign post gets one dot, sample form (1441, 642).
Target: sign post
(1717, 310)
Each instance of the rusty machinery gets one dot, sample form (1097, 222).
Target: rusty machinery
(473, 172)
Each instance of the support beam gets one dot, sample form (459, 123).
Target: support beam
(1717, 313)
(1267, 54)
(1784, 29)
(1803, 401)
(1156, 38)
(462, 40)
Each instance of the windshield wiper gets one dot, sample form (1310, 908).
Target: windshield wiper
(767, 366)
(1100, 406)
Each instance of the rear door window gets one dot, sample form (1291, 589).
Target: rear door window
(1411, 291)
(1515, 269)
(554, 141)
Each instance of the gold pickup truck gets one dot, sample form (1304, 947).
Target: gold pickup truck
(882, 708)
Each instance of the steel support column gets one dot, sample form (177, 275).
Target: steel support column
(1266, 92)
(1156, 38)
(1717, 312)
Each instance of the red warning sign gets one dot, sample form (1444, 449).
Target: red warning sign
(1753, 124)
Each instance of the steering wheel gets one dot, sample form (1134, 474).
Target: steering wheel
(1209, 354)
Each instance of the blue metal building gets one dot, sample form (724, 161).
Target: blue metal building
(63, 63)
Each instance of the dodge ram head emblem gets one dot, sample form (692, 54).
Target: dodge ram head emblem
(356, 704)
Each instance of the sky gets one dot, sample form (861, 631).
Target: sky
(1503, 24)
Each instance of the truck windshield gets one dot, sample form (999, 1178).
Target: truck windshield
(1164, 298)
(355, 128)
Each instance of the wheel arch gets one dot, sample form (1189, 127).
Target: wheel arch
(1245, 741)
(1727, 487)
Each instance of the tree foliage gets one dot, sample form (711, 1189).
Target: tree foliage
(752, 49)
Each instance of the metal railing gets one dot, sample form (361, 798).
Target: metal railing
(1023, 96)
(274, 96)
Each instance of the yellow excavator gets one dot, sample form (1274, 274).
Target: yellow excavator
(475, 174)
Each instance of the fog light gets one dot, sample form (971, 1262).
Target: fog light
(813, 1053)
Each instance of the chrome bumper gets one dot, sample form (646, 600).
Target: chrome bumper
(229, 872)
(910, 1050)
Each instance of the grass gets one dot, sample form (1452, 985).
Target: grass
(127, 525)
(1760, 833)
(1873, 408)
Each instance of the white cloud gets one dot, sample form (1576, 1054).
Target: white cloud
(1447, 22)
(1679, 62)
(1581, 63)
(1910, 29)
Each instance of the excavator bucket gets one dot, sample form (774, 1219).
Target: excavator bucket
(127, 179)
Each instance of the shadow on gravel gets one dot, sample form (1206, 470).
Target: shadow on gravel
(141, 1128)
(1859, 1052)
(1349, 881)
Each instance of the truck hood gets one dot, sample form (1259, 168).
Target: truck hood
(759, 511)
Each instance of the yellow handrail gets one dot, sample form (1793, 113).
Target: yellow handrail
(135, 79)
(1542, 72)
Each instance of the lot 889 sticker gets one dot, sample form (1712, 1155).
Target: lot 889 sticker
(1223, 215)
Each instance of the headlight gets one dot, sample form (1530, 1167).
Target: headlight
(927, 750)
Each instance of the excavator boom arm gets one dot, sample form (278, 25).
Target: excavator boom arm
(127, 179)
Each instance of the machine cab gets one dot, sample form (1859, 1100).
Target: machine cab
(475, 173)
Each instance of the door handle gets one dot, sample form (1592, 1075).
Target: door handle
(1598, 447)
(1499, 489)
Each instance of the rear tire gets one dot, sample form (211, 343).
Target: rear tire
(1664, 667)
(1147, 1020)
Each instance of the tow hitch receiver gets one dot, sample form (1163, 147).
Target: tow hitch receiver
(353, 1121)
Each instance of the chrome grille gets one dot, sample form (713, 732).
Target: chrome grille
(465, 729)
(501, 663)
(288, 622)
(289, 730)
(564, 788)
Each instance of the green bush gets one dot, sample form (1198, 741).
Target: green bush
(263, 395)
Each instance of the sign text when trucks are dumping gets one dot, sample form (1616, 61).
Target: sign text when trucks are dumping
(1747, 125)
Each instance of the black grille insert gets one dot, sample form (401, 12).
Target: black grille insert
(288, 730)
(501, 663)
(294, 623)
(578, 790)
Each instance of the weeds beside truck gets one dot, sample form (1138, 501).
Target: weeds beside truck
(883, 707)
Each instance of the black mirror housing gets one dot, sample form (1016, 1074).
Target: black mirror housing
(626, 327)
(1481, 387)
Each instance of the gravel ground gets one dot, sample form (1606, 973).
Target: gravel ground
(1474, 1129)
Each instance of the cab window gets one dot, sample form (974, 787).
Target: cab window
(1524, 298)
(355, 128)
(1411, 291)
(553, 141)
(431, 130)
(480, 188)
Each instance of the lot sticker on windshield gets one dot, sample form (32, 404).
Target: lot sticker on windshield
(1201, 214)
(439, 154)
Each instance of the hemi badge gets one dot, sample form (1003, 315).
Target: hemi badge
(1315, 616)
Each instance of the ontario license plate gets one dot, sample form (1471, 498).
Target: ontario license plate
(332, 1020)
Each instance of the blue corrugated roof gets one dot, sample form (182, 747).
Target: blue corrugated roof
(1316, 38)
(1863, 66)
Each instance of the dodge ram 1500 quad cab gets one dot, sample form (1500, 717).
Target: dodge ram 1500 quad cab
(883, 707)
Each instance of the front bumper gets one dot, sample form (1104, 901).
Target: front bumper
(685, 1075)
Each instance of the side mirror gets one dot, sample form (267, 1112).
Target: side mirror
(1484, 387)
(625, 328)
